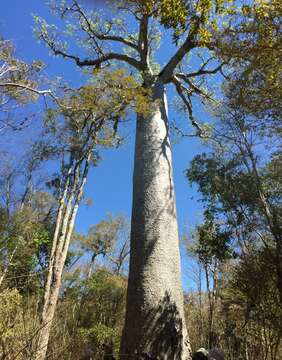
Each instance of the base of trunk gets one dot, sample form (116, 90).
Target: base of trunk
(162, 336)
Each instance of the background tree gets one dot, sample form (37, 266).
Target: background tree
(242, 194)
(236, 183)
(97, 306)
(25, 236)
(26, 217)
(105, 239)
(212, 250)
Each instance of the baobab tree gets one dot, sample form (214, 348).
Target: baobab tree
(127, 34)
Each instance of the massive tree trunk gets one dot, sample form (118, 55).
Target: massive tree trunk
(155, 325)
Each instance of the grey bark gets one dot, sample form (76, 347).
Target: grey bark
(91, 266)
(155, 325)
(64, 227)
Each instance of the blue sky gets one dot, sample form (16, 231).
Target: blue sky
(109, 184)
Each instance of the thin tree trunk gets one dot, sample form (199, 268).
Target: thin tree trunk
(210, 329)
(271, 219)
(272, 223)
(91, 265)
(2, 277)
(200, 303)
(58, 226)
(155, 325)
(59, 252)
(246, 350)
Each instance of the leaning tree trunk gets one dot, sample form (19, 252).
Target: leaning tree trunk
(62, 236)
(155, 325)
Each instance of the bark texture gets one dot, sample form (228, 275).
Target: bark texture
(155, 325)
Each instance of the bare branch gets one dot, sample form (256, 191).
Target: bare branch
(26, 87)
(101, 36)
(194, 88)
(201, 71)
(180, 90)
(99, 61)
(181, 133)
(31, 89)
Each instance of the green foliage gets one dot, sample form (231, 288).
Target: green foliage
(212, 243)
(98, 306)
(102, 237)
(10, 301)
(88, 118)
(221, 179)
(247, 316)
(251, 305)
(240, 188)
(253, 46)
(98, 335)
(173, 14)
(26, 241)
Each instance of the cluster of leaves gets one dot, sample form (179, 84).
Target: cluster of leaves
(253, 45)
(173, 14)
(221, 182)
(102, 237)
(181, 15)
(212, 242)
(90, 115)
(10, 304)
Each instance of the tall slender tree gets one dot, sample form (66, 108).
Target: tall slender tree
(241, 182)
(128, 34)
(85, 125)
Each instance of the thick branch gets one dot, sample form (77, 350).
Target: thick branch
(167, 72)
(201, 71)
(190, 43)
(98, 62)
(143, 46)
